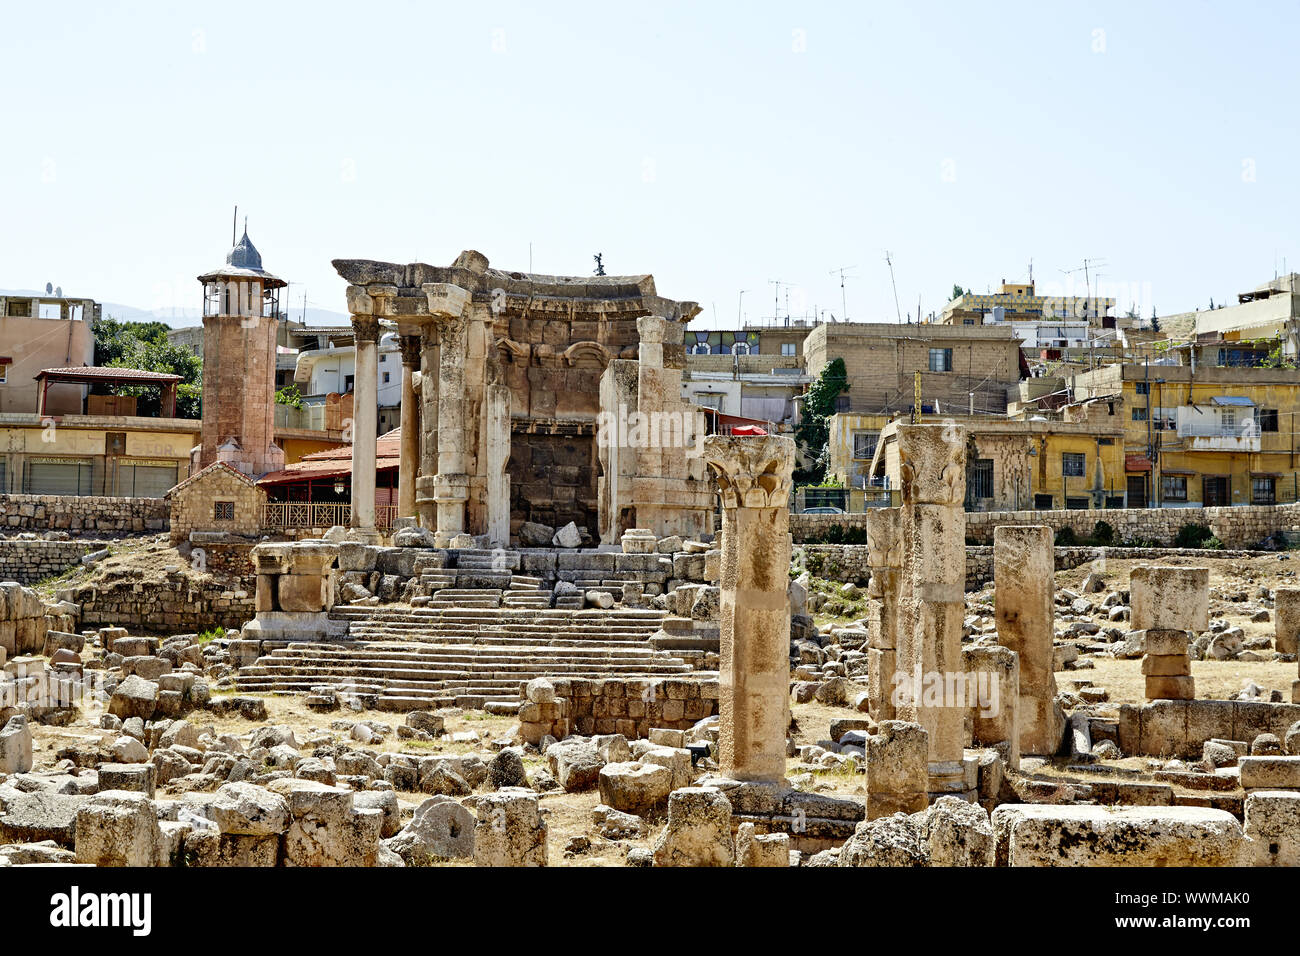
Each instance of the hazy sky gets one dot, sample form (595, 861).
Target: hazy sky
(717, 146)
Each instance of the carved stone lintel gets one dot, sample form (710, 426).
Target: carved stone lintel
(446, 299)
(751, 471)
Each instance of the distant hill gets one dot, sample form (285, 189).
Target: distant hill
(179, 318)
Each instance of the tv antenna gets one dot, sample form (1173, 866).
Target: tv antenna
(897, 310)
(844, 305)
(776, 298)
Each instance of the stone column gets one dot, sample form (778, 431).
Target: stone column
(753, 476)
(932, 464)
(365, 426)
(1024, 591)
(410, 424)
(497, 421)
(1286, 620)
(447, 307)
(425, 506)
(885, 558)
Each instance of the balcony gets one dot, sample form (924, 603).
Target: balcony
(1213, 437)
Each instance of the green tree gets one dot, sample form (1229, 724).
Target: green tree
(144, 345)
(813, 431)
(958, 292)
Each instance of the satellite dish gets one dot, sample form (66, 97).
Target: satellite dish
(59, 292)
(49, 287)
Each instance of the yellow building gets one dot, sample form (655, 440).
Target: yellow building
(1208, 436)
(1017, 465)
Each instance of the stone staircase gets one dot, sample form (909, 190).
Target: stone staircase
(404, 658)
(481, 579)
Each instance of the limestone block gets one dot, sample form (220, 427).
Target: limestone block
(1272, 828)
(302, 593)
(509, 830)
(698, 832)
(1070, 835)
(932, 464)
(243, 809)
(635, 787)
(897, 768)
(1169, 688)
(1270, 773)
(134, 697)
(1170, 597)
(766, 850)
(1286, 620)
(116, 828)
(15, 746)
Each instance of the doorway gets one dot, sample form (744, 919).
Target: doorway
(1216, 491)
(1137, 491)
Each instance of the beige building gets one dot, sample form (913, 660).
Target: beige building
(40, 332)
(962, 368)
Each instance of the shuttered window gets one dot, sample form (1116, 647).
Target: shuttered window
(70, 476)
(145, 481)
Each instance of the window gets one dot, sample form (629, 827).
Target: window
(386, 374)
(1042, 502)
(1173, 488)
(4, 372)
(1228, 419)
(1076, 504)
(842, 403)
(1142, 388)
(1139, 414)
(940, 360)
(223, 511)
(1268, 419)
(967, 321)
(19, 308)
(864, 444)
(787, 348)
(981, 479)
(739, 348)
(1073, 464)
(1263, 491)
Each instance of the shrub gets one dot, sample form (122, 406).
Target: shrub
(1065, 538)
(1103, 533)
(1212, 543)
(1192, 535)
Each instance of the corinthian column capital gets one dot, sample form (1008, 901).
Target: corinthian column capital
(751, 471)
(365, 328)
(932, 464)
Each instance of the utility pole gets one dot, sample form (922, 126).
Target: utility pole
(739, 304)
(776, 298)
(897, 311)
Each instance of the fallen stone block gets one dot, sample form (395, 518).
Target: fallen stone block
(1069, 835)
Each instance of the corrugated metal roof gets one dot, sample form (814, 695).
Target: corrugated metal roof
(1232, 400)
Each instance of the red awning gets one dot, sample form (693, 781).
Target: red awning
(1137, 463)
(748, 430)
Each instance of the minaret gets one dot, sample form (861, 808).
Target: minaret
(240, 314)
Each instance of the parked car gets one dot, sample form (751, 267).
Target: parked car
(824, 510)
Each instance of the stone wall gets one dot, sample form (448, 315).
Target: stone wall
(30, 561)
(177, 604)
(75, 513)
(630, 706)
(216, 499)
(1239, 527)
(848, 562)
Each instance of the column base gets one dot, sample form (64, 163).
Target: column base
(957, 778)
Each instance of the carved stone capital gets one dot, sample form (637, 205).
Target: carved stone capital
(365, 328)
(650, 329)
(446, 299)
(932, 464)
(751, 471)
(884, 538)
(410, 350)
